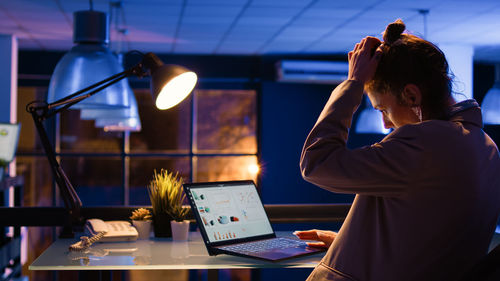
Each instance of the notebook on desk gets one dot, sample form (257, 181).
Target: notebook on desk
(232, 220)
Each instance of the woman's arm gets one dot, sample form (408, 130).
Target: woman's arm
(381, 169)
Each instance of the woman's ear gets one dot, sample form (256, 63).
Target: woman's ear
(412, 95)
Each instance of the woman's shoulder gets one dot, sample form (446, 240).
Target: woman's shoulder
(428, 129)
(442, 137)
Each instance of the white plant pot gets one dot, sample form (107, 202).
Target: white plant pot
(180, 230)
(143, 228)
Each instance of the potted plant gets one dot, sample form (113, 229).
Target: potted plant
(141, 219)
(165, 193)
(179, 224)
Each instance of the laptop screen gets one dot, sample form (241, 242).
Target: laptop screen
(229, 210)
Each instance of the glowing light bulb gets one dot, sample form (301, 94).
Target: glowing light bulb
(176, 90)
(253, 169)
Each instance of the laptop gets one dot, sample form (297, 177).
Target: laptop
(232, 220)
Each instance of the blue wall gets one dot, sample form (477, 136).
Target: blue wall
(288, 112)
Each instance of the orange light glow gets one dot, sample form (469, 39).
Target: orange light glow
(253, 169)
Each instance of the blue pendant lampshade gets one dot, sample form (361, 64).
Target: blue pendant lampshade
(370, 120)
(491, 102)
(83, 66)
(115, 119)
(120, 119)
(89, 62)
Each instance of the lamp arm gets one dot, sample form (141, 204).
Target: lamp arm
(42, 111)
(71, 200)
(70, 102)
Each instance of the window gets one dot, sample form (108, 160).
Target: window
(210, 136)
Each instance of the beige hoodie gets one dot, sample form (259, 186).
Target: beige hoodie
(427, 196)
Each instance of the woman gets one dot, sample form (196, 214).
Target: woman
(428, 195)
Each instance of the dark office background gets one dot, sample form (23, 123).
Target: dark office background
(285, 114)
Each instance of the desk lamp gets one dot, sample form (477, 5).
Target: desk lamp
(170, 84)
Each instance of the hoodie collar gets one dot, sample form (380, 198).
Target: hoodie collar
(466, 111)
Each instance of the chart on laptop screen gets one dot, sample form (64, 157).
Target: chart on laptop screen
(231, 212)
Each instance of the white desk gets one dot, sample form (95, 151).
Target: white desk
(156, 254)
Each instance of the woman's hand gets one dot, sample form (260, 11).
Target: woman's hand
(324, 237)
(363, 61)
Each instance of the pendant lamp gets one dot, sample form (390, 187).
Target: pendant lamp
(491, 102)
(370, 120)
(88, 62)
(116, 119)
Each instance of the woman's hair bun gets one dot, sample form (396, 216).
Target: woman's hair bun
(393, 31)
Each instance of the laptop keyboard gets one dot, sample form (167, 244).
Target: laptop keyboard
(264, 245)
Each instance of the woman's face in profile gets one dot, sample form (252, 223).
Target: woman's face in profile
(394, 113)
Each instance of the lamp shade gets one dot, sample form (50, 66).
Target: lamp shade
(131, 124)
(491, 106)
(170, 84)
(370, 120)
(89, 62)
(491, 102)
(83, 66)
(115, 119)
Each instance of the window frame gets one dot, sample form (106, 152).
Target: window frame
(125, 154)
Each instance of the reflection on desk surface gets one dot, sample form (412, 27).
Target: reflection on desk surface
(140, 251)
(159, 253)
(155, 253)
